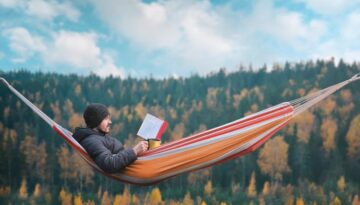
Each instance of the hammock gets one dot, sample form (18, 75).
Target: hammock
(204, 149)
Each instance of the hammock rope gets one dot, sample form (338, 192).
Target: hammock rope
(203, 149)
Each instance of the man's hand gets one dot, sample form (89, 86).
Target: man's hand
(141, 147)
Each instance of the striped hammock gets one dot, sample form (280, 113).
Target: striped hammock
(203, 149)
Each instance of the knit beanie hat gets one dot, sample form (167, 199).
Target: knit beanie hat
(94, 114)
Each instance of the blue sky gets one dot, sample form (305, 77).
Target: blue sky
(174, 37)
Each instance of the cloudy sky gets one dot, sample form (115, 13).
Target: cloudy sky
(174, 37)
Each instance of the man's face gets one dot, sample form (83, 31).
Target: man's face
(105, 125)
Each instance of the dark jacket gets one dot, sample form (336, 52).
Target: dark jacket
(107, 152)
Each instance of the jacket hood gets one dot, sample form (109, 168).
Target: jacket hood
(81, 133)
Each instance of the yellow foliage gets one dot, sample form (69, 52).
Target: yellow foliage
(188, 200)
(251, 190)
(37, 190)
(203, 203)
(126, 197)
(300, 201)
(328, 131)
(346, 96)
(304, 124)
(328, 106)
(106, 199)
(117, 200)
(78, 89)
(140, 110)
(353, 138)
(135, 200)
(266, 189)
(65, 197)
(208, 188)
(75, 120)
(155, 196)
(77, 200)
(341, 184)
(336, 201)
(211, 97)
(23, 194)
(273, 158)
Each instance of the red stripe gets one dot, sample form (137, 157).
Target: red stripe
(237, 126)
(174, 143)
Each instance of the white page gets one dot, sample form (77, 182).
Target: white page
(150, 127)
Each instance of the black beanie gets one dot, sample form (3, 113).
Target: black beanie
(94, 114)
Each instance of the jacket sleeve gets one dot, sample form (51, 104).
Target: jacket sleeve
(103, 157)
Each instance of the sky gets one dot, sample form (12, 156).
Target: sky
(175, 37)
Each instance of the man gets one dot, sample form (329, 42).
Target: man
(107, 152)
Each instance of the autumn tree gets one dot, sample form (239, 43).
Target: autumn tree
(23, 194)
(266, 188)
(65, 197)
(304, 124)
(64, 160)
(251, 190)
(155, 197)
(37, 191)
(187, 199)
(106, 199)
(353, 139)
(208, 188)
(341, 184)
(328, 131)
(273, 158)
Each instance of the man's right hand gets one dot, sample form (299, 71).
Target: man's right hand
(141, 147)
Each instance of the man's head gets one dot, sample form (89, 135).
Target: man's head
(96, 115)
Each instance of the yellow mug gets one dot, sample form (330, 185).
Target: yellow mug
(154, 143)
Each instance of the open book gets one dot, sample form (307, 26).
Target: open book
(152, 127)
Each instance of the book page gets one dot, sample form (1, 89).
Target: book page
(150, 127)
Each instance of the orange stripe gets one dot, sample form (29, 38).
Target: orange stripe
(148, 169)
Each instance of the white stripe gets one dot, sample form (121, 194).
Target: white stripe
(212, 140)
(230, 153)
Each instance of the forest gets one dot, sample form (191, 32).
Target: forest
(315, 159)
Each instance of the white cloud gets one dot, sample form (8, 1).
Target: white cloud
(75, 50)
(350, 30)
(80, 50)
(46, 10)
(188, 32)
(333, 7)
(23, 43)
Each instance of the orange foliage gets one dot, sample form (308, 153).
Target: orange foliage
(353, 139)
(273, 158)
(328, 131)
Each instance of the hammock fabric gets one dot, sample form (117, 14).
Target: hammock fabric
(204, 149)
